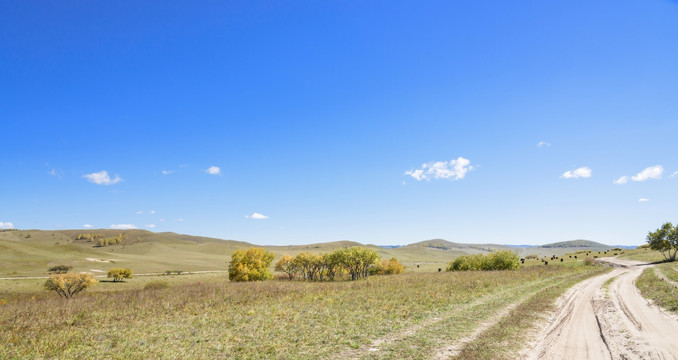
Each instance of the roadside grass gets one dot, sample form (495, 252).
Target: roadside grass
(645, 255)
(669, 270)
(213, 318)
(506, 337)
(662, 293)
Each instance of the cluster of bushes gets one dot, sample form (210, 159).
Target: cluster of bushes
(59, 269)
(356, 262)
(90, 237)
(250, 265)
(119, 273)
(498, 260)
(112, 240)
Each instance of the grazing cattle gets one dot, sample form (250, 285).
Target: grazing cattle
(561, 260)
(417, 266)
(439, 269)
(546, 262)
(575, 256)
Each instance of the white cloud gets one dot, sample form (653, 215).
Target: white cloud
(653, 172)
(180, 220)
(621, 180)
(6, 225)
(454, 169)
(123, 226)
(582, 172)
(257, 216)
(88, 226)
(102, 178)
(152, 212)
(56, 173)
(213, 170)
(643, 200)
(140, 212)
(150, 226)
(675, 173)
(167, 172)
(543, 144)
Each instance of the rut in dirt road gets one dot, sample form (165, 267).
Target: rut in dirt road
(594, 322)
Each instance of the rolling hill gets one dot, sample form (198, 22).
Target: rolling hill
(31, 252)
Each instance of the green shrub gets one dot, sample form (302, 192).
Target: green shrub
(498, 260)
(156, 284)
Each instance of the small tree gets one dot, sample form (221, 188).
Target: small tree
(250, 265)
(67, 285)
(119, 273)
(59, 269)
(664, 240)
(287, 266)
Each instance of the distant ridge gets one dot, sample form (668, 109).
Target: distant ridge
(576, 244)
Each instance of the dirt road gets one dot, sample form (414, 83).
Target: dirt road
(594, 321)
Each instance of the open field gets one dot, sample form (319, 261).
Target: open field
(401, 316)
(31, 252)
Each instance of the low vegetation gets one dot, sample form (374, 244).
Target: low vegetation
(214, 319)
(659, 291)
(498, 260)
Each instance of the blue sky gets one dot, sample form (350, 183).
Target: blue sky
(384, 122)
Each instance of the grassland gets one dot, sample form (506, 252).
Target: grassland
(663, 293)
(206, 317)
(30, 252)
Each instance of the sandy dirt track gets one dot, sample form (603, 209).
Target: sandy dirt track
(613, 322)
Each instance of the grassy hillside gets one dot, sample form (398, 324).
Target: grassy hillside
(578, 244)
(31, 252)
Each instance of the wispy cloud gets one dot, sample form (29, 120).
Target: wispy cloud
(653, 172)
(621, 180)
(643, 200)
(123, 226)
(543, 144)
(257, 216)
(56, 173)
(152, 212)
(675, 173)
(150, 226)
(213, 170)
(88, 226)
(453, 169)
(140, 212)
(582, 172)
(167, 172)
(102, 178)
(6, 225)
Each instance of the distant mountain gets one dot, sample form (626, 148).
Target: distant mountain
(439, 244)
(576, 244)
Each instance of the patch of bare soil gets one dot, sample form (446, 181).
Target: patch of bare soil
(593, 322)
